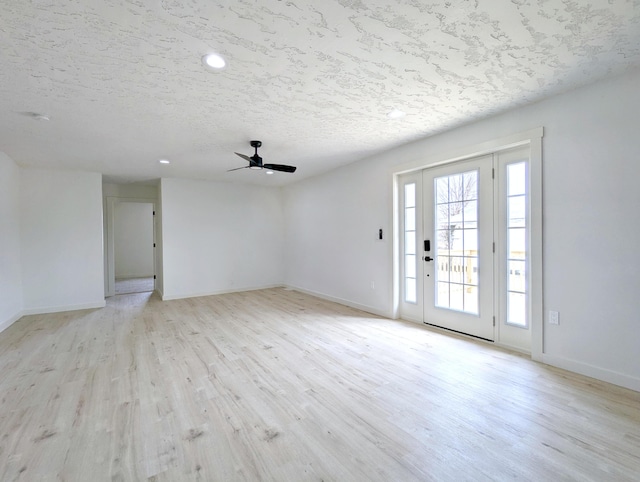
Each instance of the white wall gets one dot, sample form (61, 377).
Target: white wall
(133, 239)
(11, 301)
(591, 197)
(331, 248)
(220, 237)
(131, 190)
(61, 236)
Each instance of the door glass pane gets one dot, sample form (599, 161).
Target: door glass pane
(443, 264)
(442, 217)
(410, 266)
(517, 246)
(455, 211)
(517, 309)
(471, 215)
(517, 276)
(410, 242)
(410, 258)
(456, 295)
(472, 274)
(517, 232)
(456, 215)
(470, 188)
(442, 295)
(410, 195)
(517, 181)
(410, 291)
(442, 190)
(470, 242)
(457, 264)
(410, 219)
(471, 299)
(516, 211)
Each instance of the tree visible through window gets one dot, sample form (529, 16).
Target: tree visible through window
(456, 199)
(451, 202)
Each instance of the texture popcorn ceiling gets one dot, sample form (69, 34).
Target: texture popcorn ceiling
(124, 86)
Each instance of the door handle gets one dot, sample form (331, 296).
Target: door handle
(428, 258)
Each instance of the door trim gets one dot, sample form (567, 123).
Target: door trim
(531, 138)
(110, 267)
(481, 322)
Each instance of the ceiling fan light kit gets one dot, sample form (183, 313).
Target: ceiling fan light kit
(255, 162)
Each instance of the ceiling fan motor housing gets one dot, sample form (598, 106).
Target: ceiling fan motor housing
(256, 161)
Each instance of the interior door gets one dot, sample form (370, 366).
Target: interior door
(458, 247)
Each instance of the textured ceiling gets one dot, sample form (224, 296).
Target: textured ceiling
(123, 84)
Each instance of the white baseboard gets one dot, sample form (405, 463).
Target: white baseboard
(57, 309)
(7, 323)
(602, 374)
(506, 346)
(181, 296)
(133, 276)
(610, 376)
(342, 301)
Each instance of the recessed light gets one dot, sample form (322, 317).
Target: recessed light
(269, 172)
(396, 114)
(164, 161)
(214, 62)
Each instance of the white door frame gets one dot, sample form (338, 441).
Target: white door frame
(532, 139)
(480, 324)
(110, 271)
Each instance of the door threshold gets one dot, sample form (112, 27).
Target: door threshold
(458, 332)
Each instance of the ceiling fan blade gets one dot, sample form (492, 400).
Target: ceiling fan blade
(237, 168)
(279, 167)
(246, 158)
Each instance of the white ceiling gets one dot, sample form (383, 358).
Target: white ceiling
(123, 84)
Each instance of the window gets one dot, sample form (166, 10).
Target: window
(517, 234)
(456, 218)
(410, 238)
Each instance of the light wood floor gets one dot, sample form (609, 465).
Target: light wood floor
(125, 286)
(277, 385)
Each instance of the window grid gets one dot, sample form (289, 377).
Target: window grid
(456, 199)
(410, 236)
(516, 257)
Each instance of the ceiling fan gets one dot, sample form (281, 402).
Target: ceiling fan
(255, 161)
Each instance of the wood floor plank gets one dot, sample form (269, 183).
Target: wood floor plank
(276, 385)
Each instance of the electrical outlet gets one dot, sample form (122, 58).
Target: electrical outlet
(373, 285)
(554, 318)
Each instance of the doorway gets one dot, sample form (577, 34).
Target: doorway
(458, 229)
(131, 266)
(465, 250)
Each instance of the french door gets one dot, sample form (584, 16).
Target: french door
(458, 247)
(465, 262)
